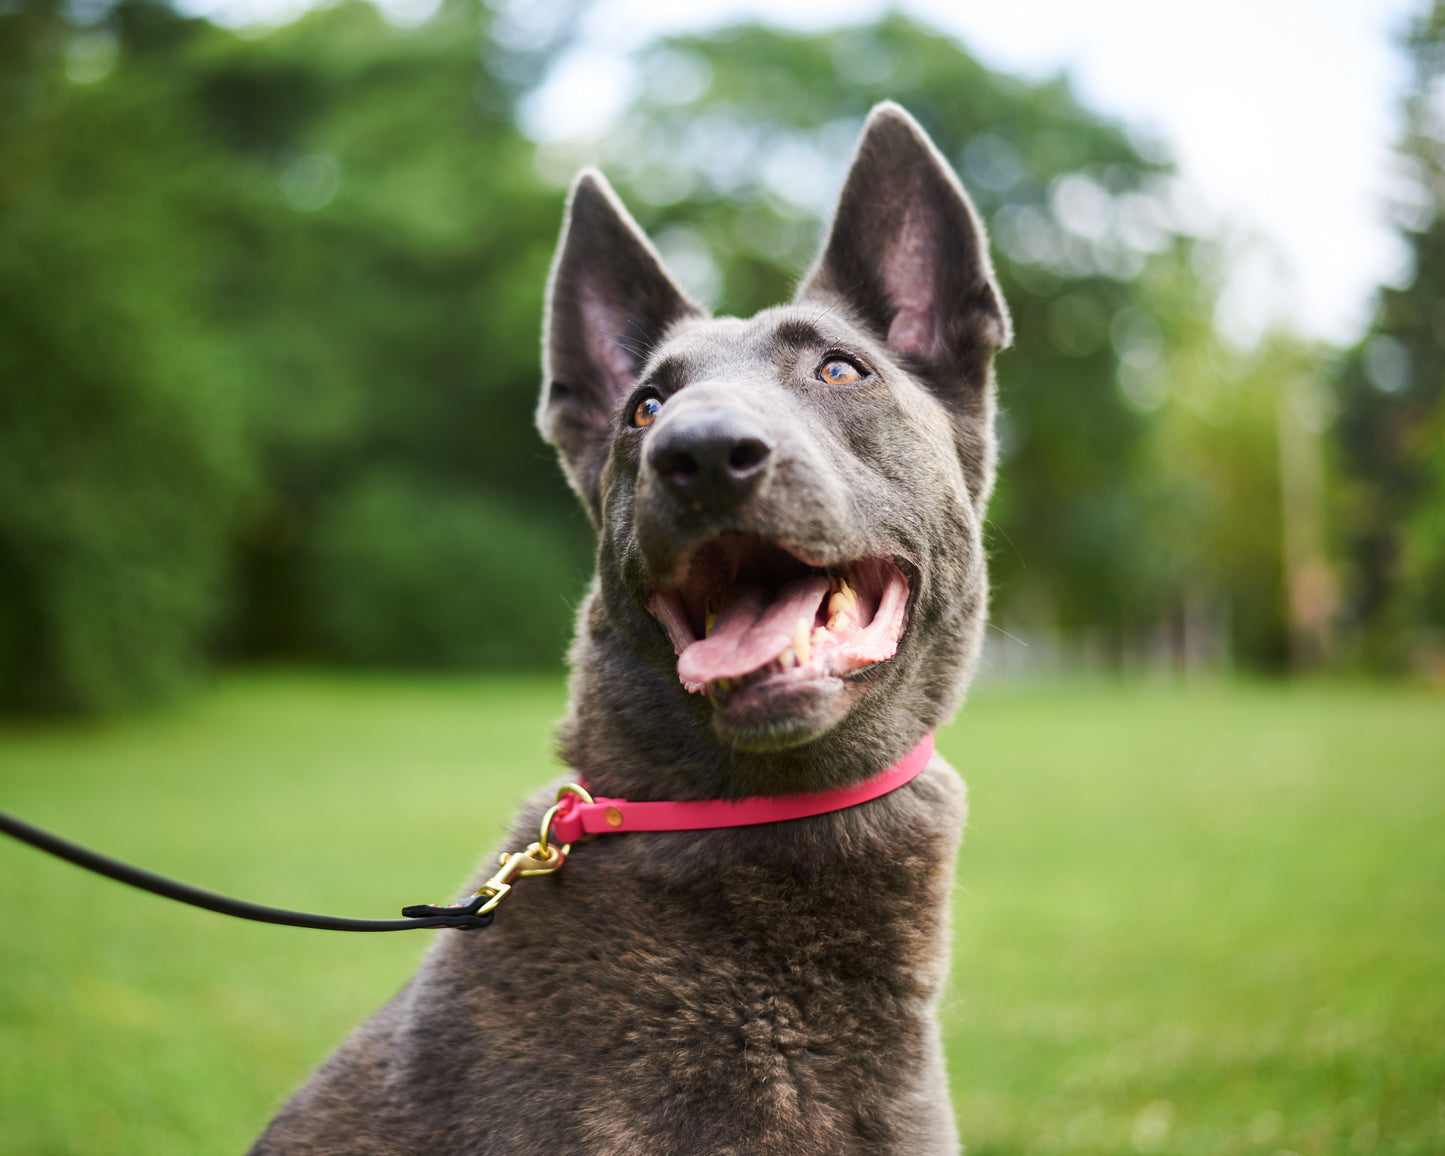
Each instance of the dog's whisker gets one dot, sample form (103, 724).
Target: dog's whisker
(1006, 634)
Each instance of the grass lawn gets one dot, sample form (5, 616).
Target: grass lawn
(1206, 921)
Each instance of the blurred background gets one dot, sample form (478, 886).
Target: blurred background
(281, 553)
(270, 300)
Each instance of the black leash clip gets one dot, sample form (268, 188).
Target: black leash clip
(460, 915)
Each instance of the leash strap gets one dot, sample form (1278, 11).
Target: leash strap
(224, 904)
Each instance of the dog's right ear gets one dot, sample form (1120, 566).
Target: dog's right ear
(609, 301)
(908, 251)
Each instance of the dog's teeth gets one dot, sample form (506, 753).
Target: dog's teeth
(837, 622)
(841, 602)
(820, 633)
(787, 659)
(709, 623)
(801, 645)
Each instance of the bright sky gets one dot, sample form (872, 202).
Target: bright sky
(1280, 113)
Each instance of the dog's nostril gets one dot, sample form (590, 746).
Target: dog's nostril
(748, 455)
(678, 467)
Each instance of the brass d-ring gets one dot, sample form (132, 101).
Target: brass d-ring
(575, 789)
(545, 831)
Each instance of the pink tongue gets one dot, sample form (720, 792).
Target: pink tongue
(753, 628)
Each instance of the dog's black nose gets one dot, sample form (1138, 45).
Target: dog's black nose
(714, 458)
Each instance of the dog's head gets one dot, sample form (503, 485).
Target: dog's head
(790, 573)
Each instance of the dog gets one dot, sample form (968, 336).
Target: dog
(790, 594)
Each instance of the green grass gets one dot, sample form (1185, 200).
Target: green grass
(1205, 921)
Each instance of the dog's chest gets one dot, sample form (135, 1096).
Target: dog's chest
(758, 1005)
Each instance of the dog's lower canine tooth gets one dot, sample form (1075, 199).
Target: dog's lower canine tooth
(788, 658)
(801, 645)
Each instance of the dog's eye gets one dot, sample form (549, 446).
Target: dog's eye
(839, 372)
(646, 412)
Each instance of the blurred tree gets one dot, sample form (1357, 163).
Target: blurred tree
(242, 283)
(386, 276)
(1392, 421)
(732, 155)
(123, 454)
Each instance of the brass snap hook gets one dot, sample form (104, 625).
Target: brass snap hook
(540, 858)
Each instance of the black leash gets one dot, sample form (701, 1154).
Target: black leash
(421, 915)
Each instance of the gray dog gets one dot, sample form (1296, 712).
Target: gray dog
(790, 595)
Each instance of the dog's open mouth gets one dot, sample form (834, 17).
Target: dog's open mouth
(745, 610)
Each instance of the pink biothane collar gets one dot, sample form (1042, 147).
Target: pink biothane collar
(576, 818)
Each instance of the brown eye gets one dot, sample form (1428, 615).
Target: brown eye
(646, 412)
(839, 372)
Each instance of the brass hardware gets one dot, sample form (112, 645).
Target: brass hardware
(540, 858)
(613, 817)
(546, 828)
(562, 792)
(535, 860)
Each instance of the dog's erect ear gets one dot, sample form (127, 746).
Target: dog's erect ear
(907, 252)
(609, 300)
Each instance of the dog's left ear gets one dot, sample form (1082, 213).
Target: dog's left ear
(907, 252)
(609, 301)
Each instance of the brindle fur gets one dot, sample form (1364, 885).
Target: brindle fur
(753, 990)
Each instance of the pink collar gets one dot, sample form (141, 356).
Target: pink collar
(576, 818)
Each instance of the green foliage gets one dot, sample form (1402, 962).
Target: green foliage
(428, 577)
(238, 277)
(1422, 562)
(390, 294)
(123, 454)
(1186, 923)
(1392, 397)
